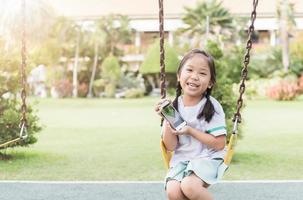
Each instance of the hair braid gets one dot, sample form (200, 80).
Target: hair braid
(178, 93)
(208, 110)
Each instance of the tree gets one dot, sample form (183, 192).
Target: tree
(97, 40)
(76, 62)
(69, 36)
(111, 73)
(285, 15)
(150, 68)
(223, 89)
(117, 31)
(39, 19)
(106, 36)
(207, 17)
(10, 103)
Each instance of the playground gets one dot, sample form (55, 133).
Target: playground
(78, 158)
(81, 123)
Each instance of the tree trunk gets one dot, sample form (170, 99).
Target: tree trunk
(75, 69)
(206, 31)
(92, 78)
(284, 35)
(150, 80)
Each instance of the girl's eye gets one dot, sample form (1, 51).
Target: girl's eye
(202, 73)
(189, 70)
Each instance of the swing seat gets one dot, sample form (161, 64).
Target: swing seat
(22, 136)
(167, 155)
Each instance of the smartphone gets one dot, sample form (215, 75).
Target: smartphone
(172, 116)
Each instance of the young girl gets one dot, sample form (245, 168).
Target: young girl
(198, 147)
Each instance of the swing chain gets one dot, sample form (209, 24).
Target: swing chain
(162, 51)
(235, 127)
(23, 121)
(237, 116)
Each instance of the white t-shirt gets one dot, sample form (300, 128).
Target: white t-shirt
(189, 148)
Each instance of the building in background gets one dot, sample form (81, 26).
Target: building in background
(144, 18)
(144, 14)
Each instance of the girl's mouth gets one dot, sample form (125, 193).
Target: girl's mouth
(193, 85)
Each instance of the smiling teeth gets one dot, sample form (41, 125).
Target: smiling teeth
(193, 85)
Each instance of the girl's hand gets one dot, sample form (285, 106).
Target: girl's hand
(184, 131)
(158, 107)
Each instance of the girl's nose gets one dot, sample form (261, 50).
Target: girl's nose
(194, 76)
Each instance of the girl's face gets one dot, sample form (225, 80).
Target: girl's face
(195, 76)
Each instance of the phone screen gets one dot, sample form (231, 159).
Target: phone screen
(173, 117)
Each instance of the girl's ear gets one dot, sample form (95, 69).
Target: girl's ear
(178, 78)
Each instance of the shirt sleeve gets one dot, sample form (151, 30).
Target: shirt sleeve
(217, 125)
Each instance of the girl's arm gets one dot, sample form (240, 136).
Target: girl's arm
(170, 140)
(214, 142)
(217, 143)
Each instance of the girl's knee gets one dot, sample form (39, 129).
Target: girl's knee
(173, 190)
(191, 187)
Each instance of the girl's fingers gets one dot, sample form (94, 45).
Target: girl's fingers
(169, 126)
(162, 101)
(177, 133)
(158, 106)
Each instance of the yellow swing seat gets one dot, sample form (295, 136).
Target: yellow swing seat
(167, 155)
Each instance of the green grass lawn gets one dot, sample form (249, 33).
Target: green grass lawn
(102, 139)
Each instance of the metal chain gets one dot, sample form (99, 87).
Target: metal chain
(237, 115)
(23, 121)
(162, 51)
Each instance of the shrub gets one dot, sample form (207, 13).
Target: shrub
(110, 69)
(134, 93)
(130, 80)
(151, 64)
(296, 48)
(256, 88)
(296, 65)
(223, 90)
(284, 91)
(99, 86)
(64, 88)
(150, 67)
(10, 113)
(10, 120)
(264, 64)
(267, 64)
(110, 90)
(111, 73)
(300, 84)
(214, 49)
(131, 86)
(82, 90)
(224, 94)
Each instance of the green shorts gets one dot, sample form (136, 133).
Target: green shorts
(209, 171)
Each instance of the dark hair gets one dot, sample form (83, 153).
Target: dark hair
(208, 110)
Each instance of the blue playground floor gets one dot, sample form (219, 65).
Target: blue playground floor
(226, 190)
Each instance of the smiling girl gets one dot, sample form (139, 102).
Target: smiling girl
(199, 147)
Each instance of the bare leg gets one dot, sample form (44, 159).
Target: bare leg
(195, 189)
(173, 191)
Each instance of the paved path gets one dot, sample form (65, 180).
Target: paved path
(228, 190)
